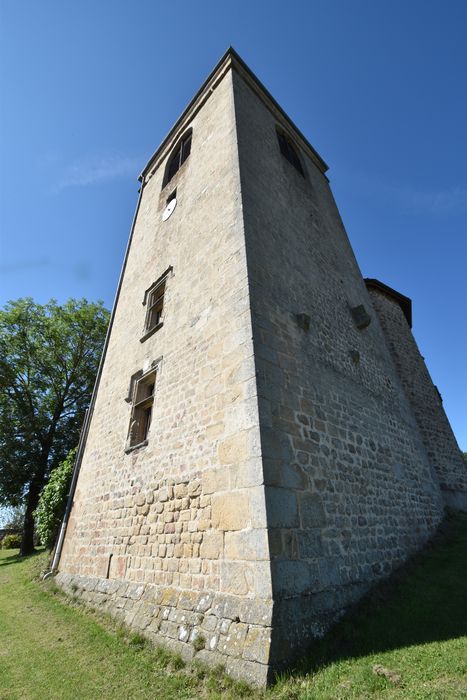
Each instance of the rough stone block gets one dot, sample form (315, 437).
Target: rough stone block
(236, 578)
(234, 449)
(290, 578)
(247, 544)
(257, 644)
(311, 510)
(212, 544)
(231, 511)
(310, 544)
(233, 643)
(215, 480)
(188, 600)
(281, 506)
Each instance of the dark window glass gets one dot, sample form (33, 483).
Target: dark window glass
(186, 149)
(177, 158)
(155, 306)
(174, 164)
(289, 151)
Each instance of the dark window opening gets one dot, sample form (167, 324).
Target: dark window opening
(289, 151)
(134, 378)
(141, 411)
(177, 158)
(155, 306)
(154, 300)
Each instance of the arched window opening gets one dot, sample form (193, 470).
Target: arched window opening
(289, 151)
(178, 157)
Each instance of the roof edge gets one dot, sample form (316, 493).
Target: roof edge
(323, 166)
(404, 302)
(226, 62)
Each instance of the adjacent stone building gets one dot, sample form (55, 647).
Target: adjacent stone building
(264, 441)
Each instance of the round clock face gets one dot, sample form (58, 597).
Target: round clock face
(169, 209)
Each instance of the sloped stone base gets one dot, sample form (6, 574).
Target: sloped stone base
(236, 632)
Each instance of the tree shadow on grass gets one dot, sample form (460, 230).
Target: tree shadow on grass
(425, 601)
(16, 559)
(11, 559)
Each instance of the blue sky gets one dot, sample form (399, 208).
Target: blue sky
(89, 89)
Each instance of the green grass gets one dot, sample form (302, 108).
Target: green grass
(414, 627)
(52, 649)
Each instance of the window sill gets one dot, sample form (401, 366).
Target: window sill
(135, 447)
(149, 333)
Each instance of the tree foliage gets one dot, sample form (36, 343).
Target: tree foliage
(52, 501)
(12, 518)
(12, 541)
(49, 355)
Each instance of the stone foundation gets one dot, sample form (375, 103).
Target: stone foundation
(236, 632)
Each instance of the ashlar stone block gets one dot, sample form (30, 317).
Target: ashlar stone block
(247, 545)
(231, 511)
(212, 545)
(311, 510)
(234, 449)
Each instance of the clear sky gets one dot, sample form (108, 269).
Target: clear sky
(89, 89)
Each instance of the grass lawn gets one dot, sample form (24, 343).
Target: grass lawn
(414, 631)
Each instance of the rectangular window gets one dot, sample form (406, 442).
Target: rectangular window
(154, 303)
(155, 306)
(141, 410)
(177, 158)
(289, 151)
(186, 149)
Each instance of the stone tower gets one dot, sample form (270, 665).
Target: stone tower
(254, 456)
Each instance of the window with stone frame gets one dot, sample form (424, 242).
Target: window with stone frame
(154, 302)
(155, 305)
(141, 408)
(290, 151)
(178, 156)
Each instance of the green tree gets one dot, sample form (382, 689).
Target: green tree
(52, 501)
(49, 355)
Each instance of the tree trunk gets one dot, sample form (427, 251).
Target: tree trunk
(27, 539)
(32, 500)
(36, 485)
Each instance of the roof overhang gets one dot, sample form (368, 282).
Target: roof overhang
(404, 302)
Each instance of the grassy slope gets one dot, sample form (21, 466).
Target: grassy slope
(51, 650)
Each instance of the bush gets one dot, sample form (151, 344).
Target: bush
(11, 541)
(52, 501)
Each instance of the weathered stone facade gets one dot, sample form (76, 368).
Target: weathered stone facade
(426, 402)
(285, 469)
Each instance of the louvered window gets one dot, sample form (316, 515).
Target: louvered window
(289, 151)
(178, 157)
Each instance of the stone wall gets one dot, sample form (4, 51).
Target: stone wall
(442, 448)
(350, 493)
(184, 513)
(284, 470)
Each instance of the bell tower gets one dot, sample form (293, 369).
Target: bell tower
(251, 463)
